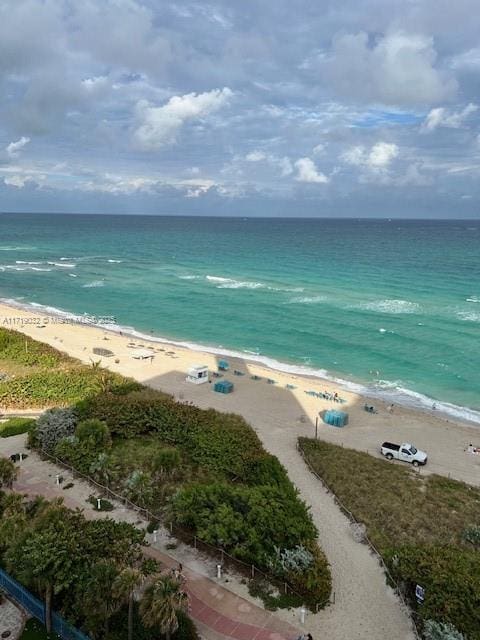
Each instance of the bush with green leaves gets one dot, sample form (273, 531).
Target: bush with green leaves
(441, 631)
(94, 432)
(251, 523)
(450, 576)
(54, 425)
(290, 560)
(472, 535)
(139, 488)
(166, 461)
(16, 426)
(78, 454)
(18, 348)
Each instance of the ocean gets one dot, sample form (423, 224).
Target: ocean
(385, 307)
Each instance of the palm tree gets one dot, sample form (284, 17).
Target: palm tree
(124, 586)
(162, 602)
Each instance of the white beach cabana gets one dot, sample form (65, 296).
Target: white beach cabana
(198, 374)
(143, 354)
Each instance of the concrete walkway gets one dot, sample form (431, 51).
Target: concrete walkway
(217, 612)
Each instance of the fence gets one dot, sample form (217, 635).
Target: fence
(224, 558)
(36, 608)
(373, 549)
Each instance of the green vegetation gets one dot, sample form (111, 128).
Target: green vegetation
(203, 470)
(40, 376)
(33, 630)
(15, 426)
(88, 571)
(8, 473)
(425, 527)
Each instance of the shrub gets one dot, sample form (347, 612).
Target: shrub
(139, 488)
(166, 460)
(94, 432)
(152, 526)
(15, 426)
(297, 559)
(52, 426)
(19, 348)
(105, 505)
(472, 535)
(439, 631)
(8, 473)
(79, 455)
(450, 576)
(222, 443)
(250, 523)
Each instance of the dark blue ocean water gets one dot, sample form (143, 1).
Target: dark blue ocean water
(390, 305)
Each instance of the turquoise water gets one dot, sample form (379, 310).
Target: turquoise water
(393, 306)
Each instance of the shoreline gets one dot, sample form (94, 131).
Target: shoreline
(283, 406)
(406, 398)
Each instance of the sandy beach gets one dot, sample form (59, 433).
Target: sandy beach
(283, 404)
(280, 411)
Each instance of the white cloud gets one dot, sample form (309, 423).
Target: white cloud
(14, 148)
(441, 117)
(307, 172)
(282, 163)
(382, 154)
(378, 158)
(318, 149)
(354, 155)
(398, 69)
(16, 181)
(255, 156)
(158, 126)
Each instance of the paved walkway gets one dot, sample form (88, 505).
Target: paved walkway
(217, 612)
(12, 619)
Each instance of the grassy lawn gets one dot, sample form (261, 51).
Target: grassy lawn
(36, 631)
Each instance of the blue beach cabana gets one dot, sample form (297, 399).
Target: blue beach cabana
(336, 418)
(223, 386)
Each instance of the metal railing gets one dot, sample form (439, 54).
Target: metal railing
(223, 557)
(36, 608)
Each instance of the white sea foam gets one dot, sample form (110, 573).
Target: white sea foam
(64, 259)
(111, 260)
(64, 265)
(307, 300)
(473, 299)
(40, 269)
(190, 277)
(386, 390)
(230, 283)
(27, 262)
(469, 316)
(10, 248)
(93, 284)
(391, 306)
(73, 275)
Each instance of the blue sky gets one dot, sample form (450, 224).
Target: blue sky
(359, 108)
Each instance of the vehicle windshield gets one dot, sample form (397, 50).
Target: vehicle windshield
(413, 450)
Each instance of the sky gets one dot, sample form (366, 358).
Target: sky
(291, 108)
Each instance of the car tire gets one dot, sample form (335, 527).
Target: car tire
(415, 463)
(389, 456)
